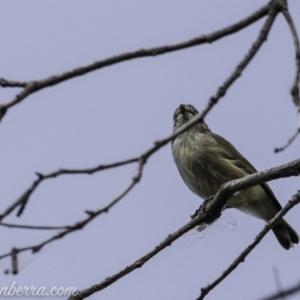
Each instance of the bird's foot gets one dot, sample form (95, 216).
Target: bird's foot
(202, 208)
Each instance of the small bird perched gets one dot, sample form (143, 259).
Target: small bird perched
(206, 161)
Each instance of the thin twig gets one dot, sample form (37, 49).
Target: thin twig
(34, 227)
(289, 142)
(10, 83)
(241, 258)
(34, 86)
(295, 87)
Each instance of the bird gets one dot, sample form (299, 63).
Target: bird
(206, 161)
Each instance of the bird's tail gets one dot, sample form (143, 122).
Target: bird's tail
(285, 234)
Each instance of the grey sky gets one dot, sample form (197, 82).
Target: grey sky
(117, 113)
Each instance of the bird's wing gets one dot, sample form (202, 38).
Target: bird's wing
(245, 165)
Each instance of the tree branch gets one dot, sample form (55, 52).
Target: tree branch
(241, 258)
(81, 224)
(34, 227)
(34, 86)
(23, 199)
(295, 87)
(10, 83)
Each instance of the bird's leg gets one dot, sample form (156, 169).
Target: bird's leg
(202, 207)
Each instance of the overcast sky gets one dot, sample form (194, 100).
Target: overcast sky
(117, 113)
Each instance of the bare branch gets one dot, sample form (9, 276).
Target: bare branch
(10, 83)
(241, 258)
(290, 141)
(23, 199)
(34, 227)
(212, 211)
(286, 170)
(34, 86)
(81, 224)
(295, 87)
